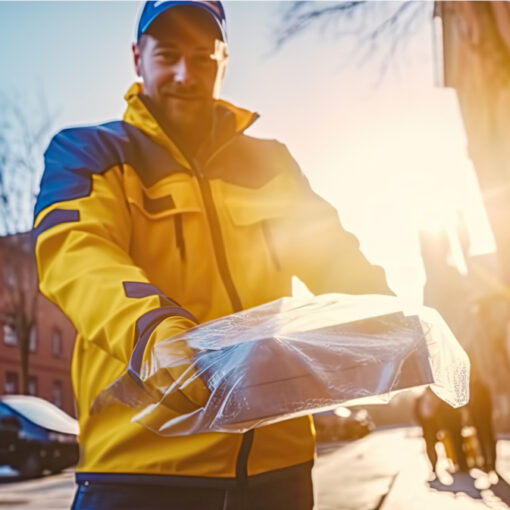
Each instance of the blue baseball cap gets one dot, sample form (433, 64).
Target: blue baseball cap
(151, 10)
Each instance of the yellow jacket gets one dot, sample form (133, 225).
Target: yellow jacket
(135, 243)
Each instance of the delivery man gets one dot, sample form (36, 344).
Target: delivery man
(171, 217)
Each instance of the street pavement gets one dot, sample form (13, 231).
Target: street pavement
(387, 470)
(52, 492)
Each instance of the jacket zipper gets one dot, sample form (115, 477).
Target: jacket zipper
(214, 225)
(221, 258)
(217, 239)
(219, 247)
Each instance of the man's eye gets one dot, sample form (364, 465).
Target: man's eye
(202, 59)
(169, 56)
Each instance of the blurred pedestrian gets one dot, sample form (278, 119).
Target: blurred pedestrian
(480, 414)
(425, 413)
(441, 422)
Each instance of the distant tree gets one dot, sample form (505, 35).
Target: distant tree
(24, 132)
(377, 27)
(19, 296)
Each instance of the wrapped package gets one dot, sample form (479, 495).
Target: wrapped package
(288, 358)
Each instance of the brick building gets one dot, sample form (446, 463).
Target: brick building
(51, 336)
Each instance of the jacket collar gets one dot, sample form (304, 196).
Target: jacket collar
(229, 120)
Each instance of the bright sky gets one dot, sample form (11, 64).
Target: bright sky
(391, 157)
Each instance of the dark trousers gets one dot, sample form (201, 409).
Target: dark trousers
(292, 493)
(429, 434)
(487, 442)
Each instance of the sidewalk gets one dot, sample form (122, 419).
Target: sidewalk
(358, 475)
(387, 470)
(476, 490)
(54, 492)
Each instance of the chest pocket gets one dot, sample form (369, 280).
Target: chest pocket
(164, 212)
(262, 217)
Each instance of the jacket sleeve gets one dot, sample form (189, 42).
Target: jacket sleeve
(324, 255)
(82, 234)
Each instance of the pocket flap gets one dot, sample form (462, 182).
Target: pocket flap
(165, 199)
(247, 206)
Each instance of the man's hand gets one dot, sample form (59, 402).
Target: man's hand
(168, 373)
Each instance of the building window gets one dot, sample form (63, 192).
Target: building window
(10, 335)
(32, 385)
(10, 276)
(57, 393)
(11, 385)
(32, 343)
(56, 343)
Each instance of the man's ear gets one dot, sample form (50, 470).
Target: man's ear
(136, 59)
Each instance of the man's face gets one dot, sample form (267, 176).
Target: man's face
(174, 59)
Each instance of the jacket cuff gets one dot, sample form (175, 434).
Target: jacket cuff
(145, 327)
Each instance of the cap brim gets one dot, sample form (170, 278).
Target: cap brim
(168, 5)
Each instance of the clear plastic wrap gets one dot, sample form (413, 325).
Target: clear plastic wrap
(288, 358)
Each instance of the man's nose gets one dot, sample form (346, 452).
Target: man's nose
(182, 71)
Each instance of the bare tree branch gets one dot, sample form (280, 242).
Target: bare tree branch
(24, 132)
(378, 27)
(300, 16)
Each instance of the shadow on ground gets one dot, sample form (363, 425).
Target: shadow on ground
(471, 486)
(462, 483)
(502, 490)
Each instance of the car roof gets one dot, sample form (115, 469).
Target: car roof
(42, 413)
